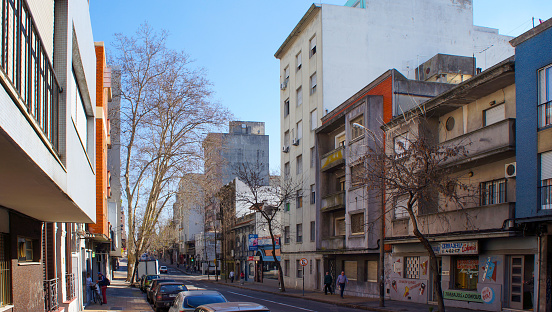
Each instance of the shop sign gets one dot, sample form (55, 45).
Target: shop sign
(250, 258)
(253, 242)
(462, 295)
(467, 264)
(459, 248)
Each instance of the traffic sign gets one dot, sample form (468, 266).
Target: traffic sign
(303, 261)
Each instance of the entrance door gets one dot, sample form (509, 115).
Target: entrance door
(516, 281)
(317, 274)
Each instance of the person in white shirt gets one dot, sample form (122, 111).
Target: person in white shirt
(231, 276)
(341, 281)
(89, 291)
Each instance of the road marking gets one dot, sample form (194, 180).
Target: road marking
(287, 305)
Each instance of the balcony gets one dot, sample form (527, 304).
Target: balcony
(332, 159)
(333, 201)
(485, 142)
(50, 295)
(333, 243)
(70, 286)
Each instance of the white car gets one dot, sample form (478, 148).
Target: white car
(163, 269)
(188, 301)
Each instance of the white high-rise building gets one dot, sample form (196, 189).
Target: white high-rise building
(333, 52)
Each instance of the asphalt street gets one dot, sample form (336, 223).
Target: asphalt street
(275, 303)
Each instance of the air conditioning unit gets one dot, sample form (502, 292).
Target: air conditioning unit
(285, 149)
(295, 142)
(510, 170)
(283, 85)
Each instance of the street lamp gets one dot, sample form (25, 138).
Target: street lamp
(381, 271)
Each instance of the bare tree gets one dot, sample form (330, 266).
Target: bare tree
(414, 167)
(165, 110)
(267, 201)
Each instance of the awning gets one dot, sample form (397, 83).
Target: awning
(267, 255)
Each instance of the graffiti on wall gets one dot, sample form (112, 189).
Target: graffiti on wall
(409, 290)
(489, 269)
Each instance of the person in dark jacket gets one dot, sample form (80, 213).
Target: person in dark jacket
(328, 283)
(102, 282)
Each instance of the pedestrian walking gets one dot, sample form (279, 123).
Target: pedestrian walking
(89, 290)
(102, 282)
(341, 281)
(242, 278)
(328, 284)
(231, 276)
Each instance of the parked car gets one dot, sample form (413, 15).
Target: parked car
(146, 281)
(232, 307)
(153, 287)
(188, 301)
(163, 269)
(165, 294)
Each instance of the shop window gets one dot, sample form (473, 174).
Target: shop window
(412, 267)
(466, 273)
(493, 192)
(357, 223)
(24, 249)
(372, 271)
(350, 268)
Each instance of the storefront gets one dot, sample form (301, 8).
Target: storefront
(483, 274)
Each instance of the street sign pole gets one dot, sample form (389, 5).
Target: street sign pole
(303, 263)
(303, 281)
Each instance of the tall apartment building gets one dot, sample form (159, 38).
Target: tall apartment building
(47, 139)
(334, 51)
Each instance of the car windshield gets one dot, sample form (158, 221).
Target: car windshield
(196, 301)
(150, 277)
(172, 288)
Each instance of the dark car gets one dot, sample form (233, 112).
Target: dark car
(189, 300)
(232, 307)
(165, 294)
(154, 284)
(146, 280)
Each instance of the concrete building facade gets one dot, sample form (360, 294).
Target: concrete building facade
(334, 51)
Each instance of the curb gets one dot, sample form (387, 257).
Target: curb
(342, 304)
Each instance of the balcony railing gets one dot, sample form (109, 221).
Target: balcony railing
(26, 66)
(545, 114)
(333, 201)
(485, 142)
(546, 197)
(51, 295)
(332, 158)
(70, 286)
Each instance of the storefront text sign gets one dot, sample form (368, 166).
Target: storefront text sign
(462, 295)
(459, 248)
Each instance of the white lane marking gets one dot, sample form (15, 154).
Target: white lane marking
(287, 305)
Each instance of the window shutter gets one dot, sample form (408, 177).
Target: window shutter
(546, 166)
(494, 115)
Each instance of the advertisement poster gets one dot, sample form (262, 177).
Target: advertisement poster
(253, 242)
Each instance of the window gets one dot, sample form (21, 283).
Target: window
(545, 97)
(313, 194)
(412, 267)
(546, 180)
(351, 269)
(340, 226)
(494, 114)
(357, 131)
(341, 183)
(493, 192)
(401, 202)
(299, 93)
(299, 268)
(401, 143)
(313, 157)
(24, 249)
(286, 235)
(466, 273)
(312, 45)
(299, 233)
(371, 271)
(78, 113)
(286, 267)
(357, 223)
(313, 120)
(300, 130)
(312, 231)
(313, 83)
(286, 170)
(287, 204)
(5, 271)
(298, 61)
(299, 164)
(286, 75)
(286, 138)
(286, 107)
(340, 140)
(299, 202)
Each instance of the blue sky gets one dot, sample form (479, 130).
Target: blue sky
(235, 42)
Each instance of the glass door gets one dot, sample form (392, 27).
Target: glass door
(516, 282)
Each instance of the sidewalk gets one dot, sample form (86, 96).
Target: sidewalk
(122, 297)
(370, 304)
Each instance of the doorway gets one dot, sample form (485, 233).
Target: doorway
(522, 282)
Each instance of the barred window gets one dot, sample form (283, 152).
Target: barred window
(412, 267)
(493, 192)
(357, 223)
